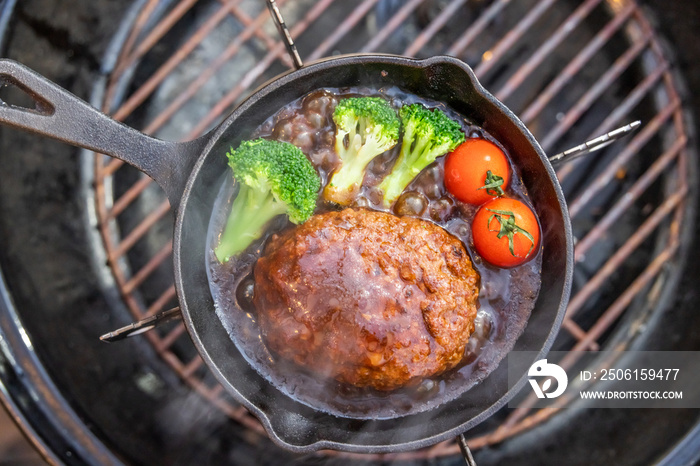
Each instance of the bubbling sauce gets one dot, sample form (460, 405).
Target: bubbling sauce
(506, 297)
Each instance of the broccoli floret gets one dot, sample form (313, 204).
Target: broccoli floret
(427, 134)
(274, 178)
(370, 127)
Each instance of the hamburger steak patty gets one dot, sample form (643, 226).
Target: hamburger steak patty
(368, 298)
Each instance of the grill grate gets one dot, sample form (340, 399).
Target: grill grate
(571, 70)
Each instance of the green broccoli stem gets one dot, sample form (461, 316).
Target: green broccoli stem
(354, 160)
(251, 211)
(393, 185)
(408, 165)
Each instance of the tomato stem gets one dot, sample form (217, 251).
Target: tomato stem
(493, 184)
(508, 229)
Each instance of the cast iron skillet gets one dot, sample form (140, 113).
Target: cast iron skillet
(190, 172)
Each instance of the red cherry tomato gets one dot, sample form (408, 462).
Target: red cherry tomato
(477, 171)
(506, 232)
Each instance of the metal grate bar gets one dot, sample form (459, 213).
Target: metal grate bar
(237, 413)
(260, 33)
(216, 390)
(155, 35)
(625, 299)
(435, 25)
(141, 94)
(479, 26)
(391, 25)
(168, 340)
(633, 148)
(631, 101)
(634, 241)
(509, 40)
(140, 230)
(593, 94)
(160, 303)
(192, 366)
(129, 196)
(545, 50)
(625, 202)
(342, 29)
(576, 64)
(134, 34)
(150, 266)
(516, 421)
(577, 332)
(138, 97)
(228, 100)
(207, 73)
(639, 92)
(111, 167)
(176, 363)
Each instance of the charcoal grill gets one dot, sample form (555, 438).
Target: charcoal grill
(570, 69)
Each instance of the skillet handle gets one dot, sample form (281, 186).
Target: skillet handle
(61, 115)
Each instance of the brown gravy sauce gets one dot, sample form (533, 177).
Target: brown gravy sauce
(506, 296)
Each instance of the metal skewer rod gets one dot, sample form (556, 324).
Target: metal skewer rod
(594, 144)
(466, 452)
(142, 326)
(284, 32)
